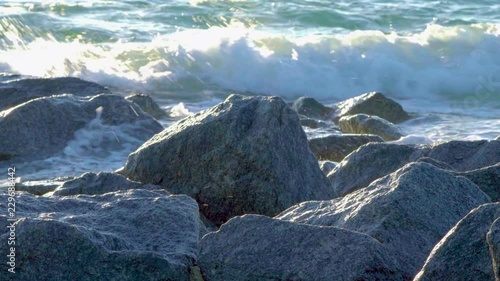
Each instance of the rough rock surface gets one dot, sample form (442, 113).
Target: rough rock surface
(488, 180)
(312, 108)
(17, 91)
(132, 235)
(373, 103)
(92, 184)
(439, 164)
(370, 162)
(464, 253)
(148, 105)
(311, 123)
(467, 155)
(366, 124)
(244, 155)
(337, 147)
(375, 160)
(493, 239)
(255, 247)
(408, 211)
(42, 127)
(327, 166)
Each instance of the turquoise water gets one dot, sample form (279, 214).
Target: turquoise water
(440, 59)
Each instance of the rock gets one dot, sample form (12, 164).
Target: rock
(336, 147)
(375, 160)
(365, 124)
(92, 184)
(438, 164)
(148, 105)
(37, 189)
(467, 155)
(255, 247)
(373, 103)
(312, 108)
(126, 235)
(493, 239)
(464, 253)
(327, 166)
(42, 127)
(370, 162)
(498, 138)
(244, 155)
(311, 123)
(15, 92)
(488, 180)
(408, 211)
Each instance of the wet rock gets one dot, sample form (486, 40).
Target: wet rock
(337, 147)
(464, 253)
(42, 127)
(370, 162)
(18, 91)
(327, 166)
(312, 123)
(312, 108)
(148, 105)
(365, 124)
(375, 160)
(127, 235)
(488, 180)
(408, 211)
(373, 103)
(92, 184)
(244, 155)
(37, 189)
(255, 247)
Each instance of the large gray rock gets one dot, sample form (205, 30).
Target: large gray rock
(327, 166)
(244, 155)
(42, 127)
(467, 155)
(15, 92)
(493, 239)
(337, 147)
(464, 253)
(373, 103)
(255, 247)
(366, 124)
(312, 108)
(370, 162)
(375, 160)
(408, 211)
(127, 235)
(148, 105)
(488, 180)
(92, 184)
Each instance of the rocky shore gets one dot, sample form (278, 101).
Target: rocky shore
(240, 192)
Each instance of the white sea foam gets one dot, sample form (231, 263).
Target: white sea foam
(456, 66)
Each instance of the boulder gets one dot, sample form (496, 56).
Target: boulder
(438, 164)
(408, 211)
(370, 162)
(148, 105)
(373, 103)
(41, 127)
(487, 179)
(17, 91)
(244, 155)
(254, 247)
(92, 184)
(365, 124)
(337, 147)
(467, 155)
(37, 189)
(311, 123)
(464, 253)
(375, 160)
(127, 235)
(327, 166)
(312, 108)
(493, 239)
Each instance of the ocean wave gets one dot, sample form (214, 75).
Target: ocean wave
(458, 65)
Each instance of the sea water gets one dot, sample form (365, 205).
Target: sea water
(439, 59)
